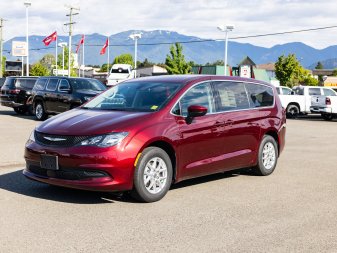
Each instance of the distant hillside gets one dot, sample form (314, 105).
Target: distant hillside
(159, 42)
(327, 64)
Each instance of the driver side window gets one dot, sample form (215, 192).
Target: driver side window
(200, 94)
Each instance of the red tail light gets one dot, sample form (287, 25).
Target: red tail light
(327, 101)
(14, 91)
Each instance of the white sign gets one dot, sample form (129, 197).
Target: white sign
(60, 72)
(19, 48)
(245, 71)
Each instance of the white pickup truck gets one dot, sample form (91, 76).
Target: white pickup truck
(300, 100)
(119, 73)
(325, 105)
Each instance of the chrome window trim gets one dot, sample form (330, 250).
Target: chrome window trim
(59, 83)
(235, 81)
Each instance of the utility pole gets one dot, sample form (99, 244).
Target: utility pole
(70, 15)
(1, 25)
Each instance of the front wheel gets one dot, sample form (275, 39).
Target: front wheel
(267, 157)
(293, 111)
(327, 116)
(153, 175)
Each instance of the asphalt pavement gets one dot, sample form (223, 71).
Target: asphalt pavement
(293, 210)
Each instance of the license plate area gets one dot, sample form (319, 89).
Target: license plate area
(49, 162)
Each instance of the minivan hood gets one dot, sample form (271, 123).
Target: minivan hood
(91, 122)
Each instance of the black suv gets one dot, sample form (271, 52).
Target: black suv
(53, 95)
(16, 91)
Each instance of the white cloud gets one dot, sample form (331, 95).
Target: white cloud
(199, 18)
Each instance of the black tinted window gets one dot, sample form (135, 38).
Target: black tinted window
(314, 91)
(25, 83)
(10, 82)
(52, 84)
(260, 95)
(64, 85)
(231, 96)
(40, 83)
(87, 84)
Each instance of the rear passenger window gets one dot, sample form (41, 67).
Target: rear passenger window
(328, 92)
(286, 91)
(25, 83)
(198, 95)
(231, 96)
(260, 95)
(52, 84)
(64, 85)
(314, 91)
(40, 83)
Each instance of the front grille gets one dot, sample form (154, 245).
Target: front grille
(58, 140)
(67, 173)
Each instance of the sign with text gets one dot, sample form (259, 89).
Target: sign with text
(19, 48)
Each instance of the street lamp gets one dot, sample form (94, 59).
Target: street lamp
(63, 45)
(135, 37)
(27, 4)
(226, 29)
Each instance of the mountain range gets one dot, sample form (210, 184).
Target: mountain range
(154, 45)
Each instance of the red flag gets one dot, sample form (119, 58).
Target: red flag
(52, 37)
(80, 43)
(105, 46)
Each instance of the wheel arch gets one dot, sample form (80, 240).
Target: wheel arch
(273, 133)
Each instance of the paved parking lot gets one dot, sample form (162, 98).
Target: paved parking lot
(293, 210)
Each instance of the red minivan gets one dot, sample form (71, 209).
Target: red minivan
(145, 134)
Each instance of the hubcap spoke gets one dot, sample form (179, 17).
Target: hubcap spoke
(155, 175)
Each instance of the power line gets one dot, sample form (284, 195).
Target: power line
(199, 40)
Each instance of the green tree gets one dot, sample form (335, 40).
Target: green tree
(286, 68)
(145, 64)
(334, 72)
(73, 71)
(319, 66)
(39, 70)
(104, 67)
(124, 59)
(175, 62)
(3, 65)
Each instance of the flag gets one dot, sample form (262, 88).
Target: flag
(52, 37)
(105, 46)
(80, 43)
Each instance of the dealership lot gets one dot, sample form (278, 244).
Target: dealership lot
(293, 210)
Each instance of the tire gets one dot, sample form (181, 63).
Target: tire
(30, 110)
(267, 156)
(20, 110)
(147, 186)
(327, 117)
(40, 113)
(293, 111)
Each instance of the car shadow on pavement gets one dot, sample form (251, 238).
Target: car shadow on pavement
(17, 183)
(14, 114)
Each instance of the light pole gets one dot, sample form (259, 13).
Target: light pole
(135, 37)
(226, 29)
(63, 45)
(27, 4)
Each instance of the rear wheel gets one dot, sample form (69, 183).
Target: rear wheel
(40, 113)
(153, 175)
(293, 111)
(267, 157)
(20, 110)
(326, 116)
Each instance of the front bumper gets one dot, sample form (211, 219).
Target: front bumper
(86, 168)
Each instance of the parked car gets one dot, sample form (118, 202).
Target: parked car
(282, 90)
(325, 105)
(300, 100)
(15, 93)
(146, 133)
(119, 73)
(53, 95)
(2, 81)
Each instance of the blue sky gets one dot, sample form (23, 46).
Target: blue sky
(198, 18)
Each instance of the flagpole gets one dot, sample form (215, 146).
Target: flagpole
(108, 56)
(83, 55)
(56, 55)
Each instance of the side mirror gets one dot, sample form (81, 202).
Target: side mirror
(196, 111)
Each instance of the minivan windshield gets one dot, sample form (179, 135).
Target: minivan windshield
(87, 84)
(135, 96)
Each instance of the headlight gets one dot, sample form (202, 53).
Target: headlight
(104, 141)
(31, 138)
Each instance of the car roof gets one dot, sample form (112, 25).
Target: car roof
(65, 77)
